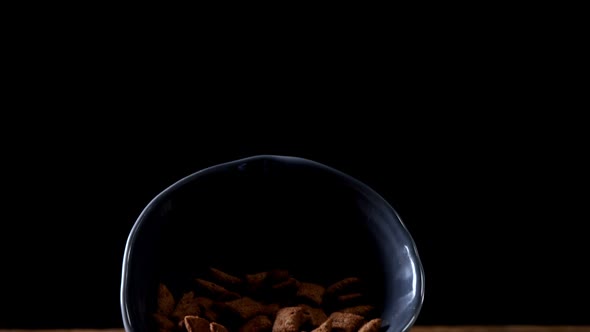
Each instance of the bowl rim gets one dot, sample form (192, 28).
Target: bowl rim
(154, 202)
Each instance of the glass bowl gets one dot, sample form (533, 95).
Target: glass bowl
(266, 212)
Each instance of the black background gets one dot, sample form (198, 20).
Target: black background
(497, 222)
(473, 146)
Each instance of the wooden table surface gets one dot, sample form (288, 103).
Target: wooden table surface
(515, 328)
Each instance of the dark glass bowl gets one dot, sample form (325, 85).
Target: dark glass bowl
(266, 212)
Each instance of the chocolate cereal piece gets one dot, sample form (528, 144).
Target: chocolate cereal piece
(290, 283)
(349, 299)
(211, 315)
(277, 276)
(316, 316)
(289, 319)
(271, 310)
(188, 305)
(345, 322)
(245, 308)
(225, 279)
(285, 289)
(166, 302)
(164, 323)
(325, 327)
(207, 308)
(257, 324)
(215, 327)
(216, 291)
(311, 293)
(361, 310)
(255, 281)
(196, 324)
(372, 326)
(258, 281)
(343, 286)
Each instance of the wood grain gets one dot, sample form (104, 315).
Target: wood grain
(501, 329)
(515, 328)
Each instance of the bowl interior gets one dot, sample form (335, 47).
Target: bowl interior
(270, 212)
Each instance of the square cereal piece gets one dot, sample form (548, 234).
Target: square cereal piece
(325, 327)
(372, 326)
(245, 308)
(163, 322)
(271, 310)
(257, 324)
(277, 276)
(289, 319)
(254, 282)
(343, 286)
(353, 297)
(224, 279)
(311, 293)
(207, 308)
(196, 324)
(215, 291)
(361, 310)
(316, 316)
(214, 327)
(345, 322)
(285, 289)
(166, 301)
(188, 305)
